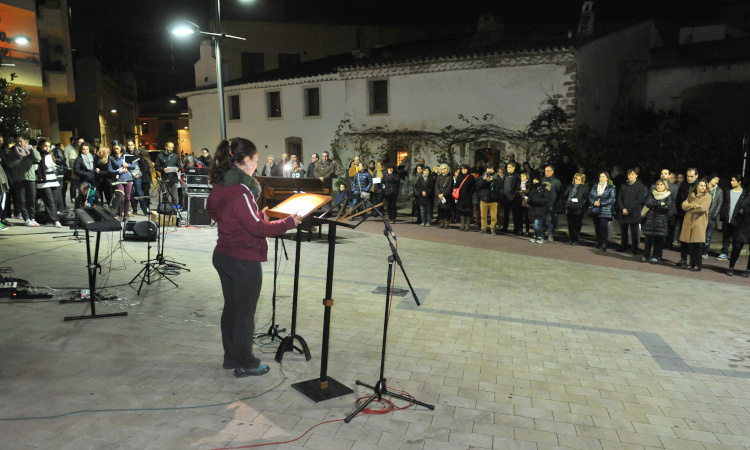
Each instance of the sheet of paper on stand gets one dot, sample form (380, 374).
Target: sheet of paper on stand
(302, 204)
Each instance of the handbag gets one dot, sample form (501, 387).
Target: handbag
(458, 189)
(594, 210)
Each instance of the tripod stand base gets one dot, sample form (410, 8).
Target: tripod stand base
(380, 390)
(313, 389)
(287, 345)
(94, 316)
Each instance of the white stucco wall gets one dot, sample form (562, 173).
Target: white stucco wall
(665, 86)
(421, 97)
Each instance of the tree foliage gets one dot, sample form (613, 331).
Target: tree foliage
(12, 101)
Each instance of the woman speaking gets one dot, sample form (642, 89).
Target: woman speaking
(240, 249)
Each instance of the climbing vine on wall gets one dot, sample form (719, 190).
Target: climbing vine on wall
(541, 139)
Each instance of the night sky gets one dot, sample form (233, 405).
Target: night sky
(131, 35)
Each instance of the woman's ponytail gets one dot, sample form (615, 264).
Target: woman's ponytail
(221, 163)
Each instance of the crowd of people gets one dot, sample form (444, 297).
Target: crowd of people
(83, 175)
(681, 210)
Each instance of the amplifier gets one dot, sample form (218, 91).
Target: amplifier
(196, 179)
(196, 170)
(197, 214)
(198, 191)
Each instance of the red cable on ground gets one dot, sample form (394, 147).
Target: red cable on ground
(388, 407)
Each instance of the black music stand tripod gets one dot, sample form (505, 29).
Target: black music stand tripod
(274, 330)
(150, 266)
(380, 389)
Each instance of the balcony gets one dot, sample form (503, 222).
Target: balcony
(27, 67)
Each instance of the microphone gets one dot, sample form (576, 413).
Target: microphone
(387, 225)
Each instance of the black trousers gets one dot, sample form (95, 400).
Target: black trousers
(631, 234)
(696, 254)
(736, 249)
(574, 226)
(390, 204)
(48, 198)
(241, 281)
(655, 242)
(24, 194)
(600, 228)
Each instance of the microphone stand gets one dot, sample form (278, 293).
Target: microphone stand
(380, 387)
(274, 330)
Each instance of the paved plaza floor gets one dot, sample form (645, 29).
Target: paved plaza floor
(518, 346)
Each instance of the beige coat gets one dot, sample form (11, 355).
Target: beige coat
(696, 218)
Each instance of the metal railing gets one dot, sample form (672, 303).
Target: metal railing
(19, 54)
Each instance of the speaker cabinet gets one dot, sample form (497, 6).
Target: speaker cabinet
(197, 214)
(139, 231)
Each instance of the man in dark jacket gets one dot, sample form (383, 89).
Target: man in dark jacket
(168, 165)
(511, 182)
(730, 213)
(683, 192)
(630, 199)
(490, 190)
(549, 177)
(311, 167)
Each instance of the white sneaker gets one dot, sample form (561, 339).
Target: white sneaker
(36, 224)
(532, 240)
(540, 241)
(29, 223)
(58, 224)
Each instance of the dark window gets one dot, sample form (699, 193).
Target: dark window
(287, 60)
(168, 127)
(234, 107)
(312, 102)
(252, 63)
(144, 128)
(273, 104)
(378, 91)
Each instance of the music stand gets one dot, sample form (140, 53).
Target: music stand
(303, 205)
(323, 387)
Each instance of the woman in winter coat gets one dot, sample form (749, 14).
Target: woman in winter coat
(443, 197)
(694, 224)
(540, 197)
(466, 186)
(657, 210)
(46, 181)
(575, 207)
(424, 189)
(741, 234)
(83, 167)
(361, 185)
(104, 177)
(21, 161)
(121, 170)
(524, 187)
(602, 197)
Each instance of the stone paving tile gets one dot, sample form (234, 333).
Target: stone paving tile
(508, 363)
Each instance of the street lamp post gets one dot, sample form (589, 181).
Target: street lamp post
(219, 70)
(184, 28)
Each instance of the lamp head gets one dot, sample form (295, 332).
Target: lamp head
(20, 39)
(184, 28)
